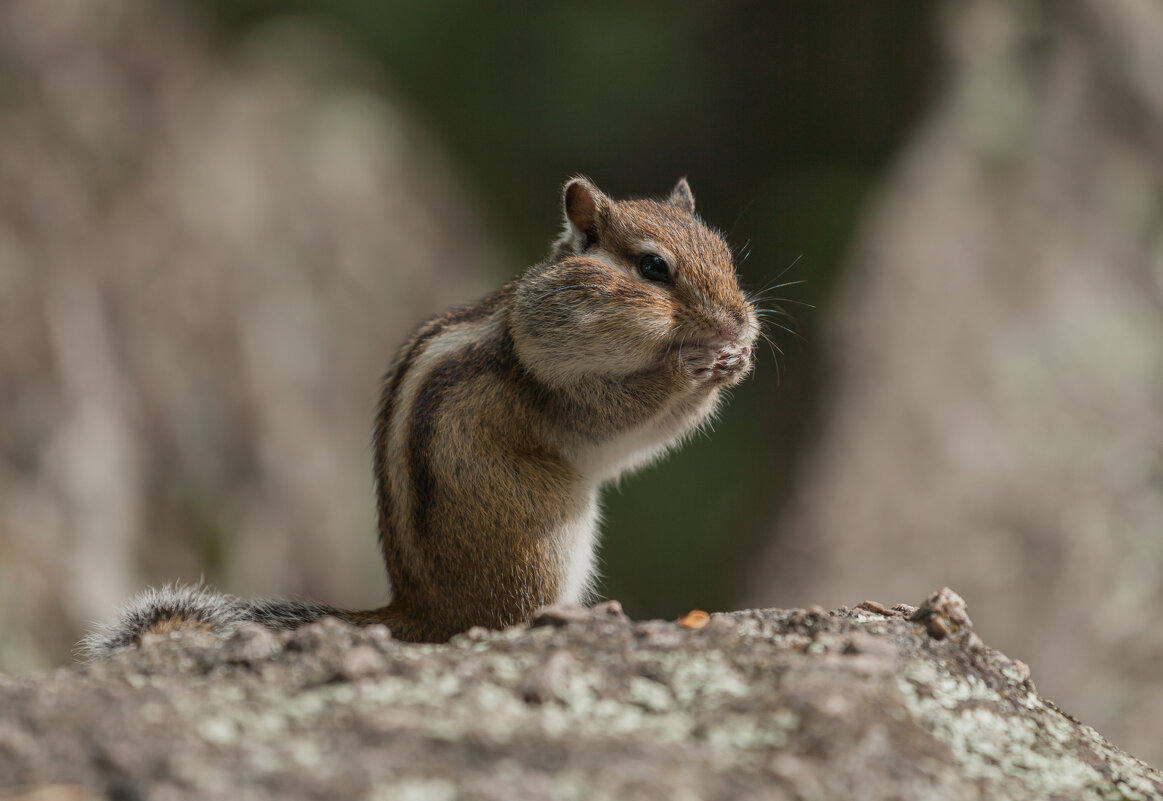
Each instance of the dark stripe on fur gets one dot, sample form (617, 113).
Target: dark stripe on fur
(453, 371)
(398, 569)
(496, 355)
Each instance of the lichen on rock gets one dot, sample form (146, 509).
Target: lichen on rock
(863, 702)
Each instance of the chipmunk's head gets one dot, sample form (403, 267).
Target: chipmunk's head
(633, 282)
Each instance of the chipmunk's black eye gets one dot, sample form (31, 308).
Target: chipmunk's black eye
(653, 267)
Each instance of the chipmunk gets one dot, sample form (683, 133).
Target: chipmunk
(500, 421)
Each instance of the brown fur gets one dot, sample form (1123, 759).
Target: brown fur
(486, 452)
(171, 624)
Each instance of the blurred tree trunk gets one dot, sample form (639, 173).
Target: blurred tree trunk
(208, 255)
(995, 413)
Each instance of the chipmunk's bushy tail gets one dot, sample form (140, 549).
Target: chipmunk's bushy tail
(177, 607)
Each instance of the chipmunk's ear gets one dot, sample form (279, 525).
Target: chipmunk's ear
(585, 210)
(682, 197)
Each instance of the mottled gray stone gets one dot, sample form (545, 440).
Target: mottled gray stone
(760, 704)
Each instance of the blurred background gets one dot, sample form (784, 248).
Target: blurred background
(219, 219)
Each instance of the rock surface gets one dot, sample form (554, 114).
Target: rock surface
(869, 702)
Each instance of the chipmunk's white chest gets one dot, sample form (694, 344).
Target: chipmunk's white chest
(638, 447)
(575, 542)
(624, 453)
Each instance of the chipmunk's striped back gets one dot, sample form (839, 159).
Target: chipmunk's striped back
(456, 531)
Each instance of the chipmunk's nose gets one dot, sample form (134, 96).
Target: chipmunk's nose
(717, 334)
(729, 333)
(729, 325)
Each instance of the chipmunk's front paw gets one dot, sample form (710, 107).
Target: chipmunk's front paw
(719, 364)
